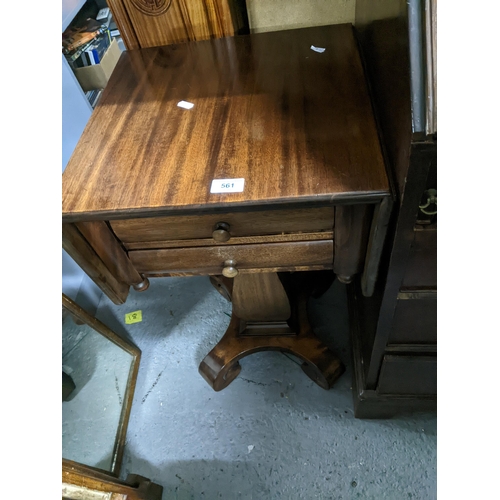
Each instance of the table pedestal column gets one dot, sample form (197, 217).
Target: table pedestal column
(270, 314)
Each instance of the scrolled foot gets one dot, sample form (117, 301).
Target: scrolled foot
(327, 377)
(218, 377)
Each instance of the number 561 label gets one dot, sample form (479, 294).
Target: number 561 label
(227, 186)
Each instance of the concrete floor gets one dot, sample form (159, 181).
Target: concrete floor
(272, 433)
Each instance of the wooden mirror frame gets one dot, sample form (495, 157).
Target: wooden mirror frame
(83, 316)
(80, 481)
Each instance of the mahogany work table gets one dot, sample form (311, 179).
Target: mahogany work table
(289, 137)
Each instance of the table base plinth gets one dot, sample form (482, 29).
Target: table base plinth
(291, 335)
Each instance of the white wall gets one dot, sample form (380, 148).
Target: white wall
(275, 15)
(69, 9)
(76, 112)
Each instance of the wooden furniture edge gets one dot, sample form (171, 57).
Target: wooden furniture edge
(376, 242)
(368, 404)
(122, 19)
(355, 198)
(84, 477)
(401, 244)
(109, 249)
(85, 256)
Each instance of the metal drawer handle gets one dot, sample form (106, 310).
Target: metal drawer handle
(229, 270)
(221, 232)
(432, 199)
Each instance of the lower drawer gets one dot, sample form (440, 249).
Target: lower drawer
(406, 374)
(415, 319)
(304, 255)
(421, 268)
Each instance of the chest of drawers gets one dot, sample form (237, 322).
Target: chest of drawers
(394, 332)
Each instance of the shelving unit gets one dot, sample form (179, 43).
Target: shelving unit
(76, 12)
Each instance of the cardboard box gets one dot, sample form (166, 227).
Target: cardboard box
(97, 76)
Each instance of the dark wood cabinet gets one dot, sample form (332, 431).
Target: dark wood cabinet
(394, 332)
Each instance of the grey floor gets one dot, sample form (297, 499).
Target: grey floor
(272, 433)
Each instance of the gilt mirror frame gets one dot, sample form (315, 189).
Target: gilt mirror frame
(80, 314)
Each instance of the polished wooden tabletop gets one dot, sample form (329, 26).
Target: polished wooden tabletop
(296, 124)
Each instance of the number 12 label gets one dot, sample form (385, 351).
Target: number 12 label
(227, 186)
(133, 317)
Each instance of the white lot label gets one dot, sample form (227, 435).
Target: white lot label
(185, 104)
(227, 186)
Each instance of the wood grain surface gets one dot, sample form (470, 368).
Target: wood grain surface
(179, 20)
(352, 224)
(239, 240)
(239, 224)
(260, 297)
(297, 125)
(110, 251)
(247, 258)
(247, 336)
(123, 24)
(82, 481)
(86, 257)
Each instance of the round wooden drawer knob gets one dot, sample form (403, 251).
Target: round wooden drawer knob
(229, 270)
(221, 232)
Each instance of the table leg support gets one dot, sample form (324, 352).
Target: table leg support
(293, 335)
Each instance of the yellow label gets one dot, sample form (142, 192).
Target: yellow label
(133, 317)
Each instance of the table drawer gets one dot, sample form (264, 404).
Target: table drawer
(292, 256)
(407, 374)
(186, 227)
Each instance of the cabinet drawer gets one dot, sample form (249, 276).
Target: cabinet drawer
(188, 227)
(305, 255)
(408, 375)
(415, 319)
(421, 269)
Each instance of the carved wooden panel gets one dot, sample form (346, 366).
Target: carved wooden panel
(164, 22)
(152, 7)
